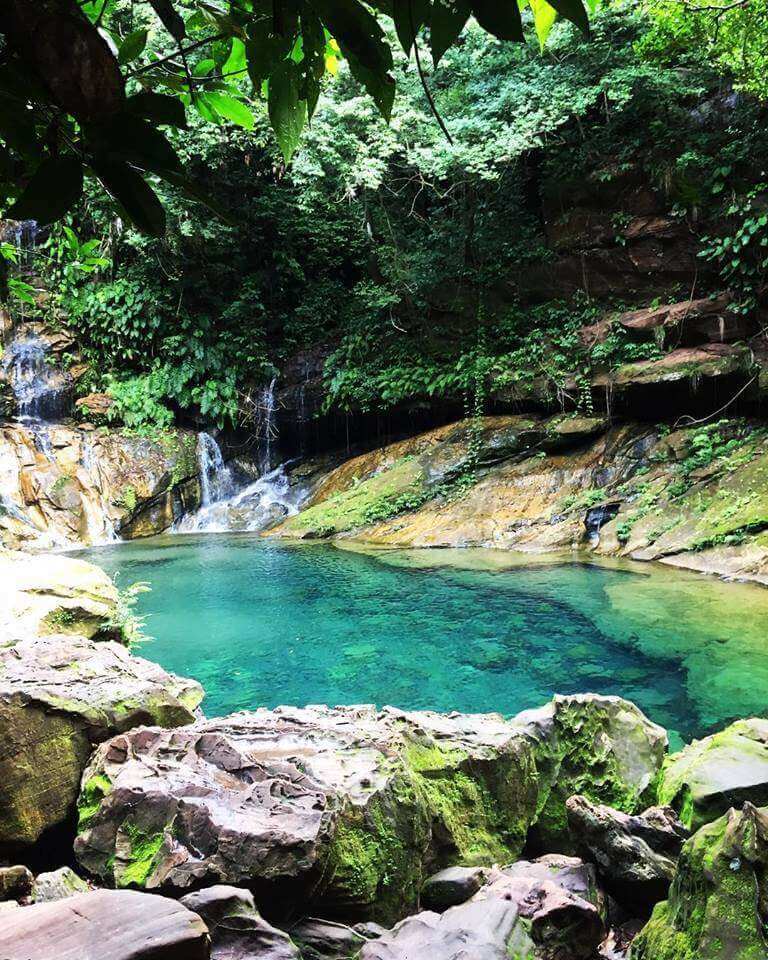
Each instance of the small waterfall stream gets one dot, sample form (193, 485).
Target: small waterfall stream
(226, 505)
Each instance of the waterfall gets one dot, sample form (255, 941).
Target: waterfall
(215, 476)
(596, 518)
(266, 429)
(41, 392)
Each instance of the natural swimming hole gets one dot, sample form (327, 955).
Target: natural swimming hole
(261, 623)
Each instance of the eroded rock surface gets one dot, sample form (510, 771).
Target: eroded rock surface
(60, 695)
(237, 930)
(348, 805)
(104, 925)
(57, 885)
(635, 855)
(602, 747)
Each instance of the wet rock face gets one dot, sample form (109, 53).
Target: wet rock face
(348, 804)
(60, 695)
(63, 486)
(602, 747)
(718, 902)
(721, 771)
(635, 855)
(104, 925)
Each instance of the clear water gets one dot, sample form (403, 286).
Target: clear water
(265, 623)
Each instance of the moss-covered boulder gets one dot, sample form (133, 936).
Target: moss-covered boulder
(60, 695)
(718, 902)
(709, 776)
(603, 748)
(350, 808)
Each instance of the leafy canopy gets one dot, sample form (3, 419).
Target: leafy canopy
(86, 86)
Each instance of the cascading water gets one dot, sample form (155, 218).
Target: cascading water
(215, 476)
(254, 506)
(266, 430)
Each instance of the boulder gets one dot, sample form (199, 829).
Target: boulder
(718, 902)
(96, 406)
(602, 747)
(547, 909)
(452, 886)
(59, 696)
(47, 594)
(721, 771)
(345, 808)
(237, 930)
(15, 883)
(57, 885)
(325, 940)
(635, 855)
(104, 925)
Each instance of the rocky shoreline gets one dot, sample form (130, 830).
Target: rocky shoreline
(349, 832)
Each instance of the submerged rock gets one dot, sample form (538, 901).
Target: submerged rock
(718, 902)
(59, 696)
(104, 925)
(721, 771)
(635, 855)
(237, 930)
(602, 747)
(347, 805)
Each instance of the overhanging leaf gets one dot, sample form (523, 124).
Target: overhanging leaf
(544, 16)
(380, 87)
(358, 31)
(447, 22)
(574, 11)
(132, 47)
(409, 16)
(134, 195)
(51, 193)
(170, 19)
(158, 108)
(287, 112)
(231, 108)
(499, 17)
(132, 138)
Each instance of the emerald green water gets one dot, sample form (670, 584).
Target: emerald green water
(264, 623)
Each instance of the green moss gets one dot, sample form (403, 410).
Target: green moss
(93, 792)
(144, 849)
(402, 487)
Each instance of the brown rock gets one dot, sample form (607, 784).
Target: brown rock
(104, 925)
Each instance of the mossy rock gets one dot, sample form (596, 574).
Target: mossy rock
(717, 903)
(709, 776)
(349, 808)
(603, 748)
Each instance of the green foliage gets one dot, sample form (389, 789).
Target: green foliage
(68, 67)
(125, 621)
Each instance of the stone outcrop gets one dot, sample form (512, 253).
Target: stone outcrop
(452, 886)
(16, 883)
(63, 486)
(350, 807)
(602, 747)
(718, 902)
(721, 771)
(325, 940)
(60, 695)
(635, 855)
(236, 929)
(104, 925)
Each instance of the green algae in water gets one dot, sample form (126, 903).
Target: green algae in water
(261, 623)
